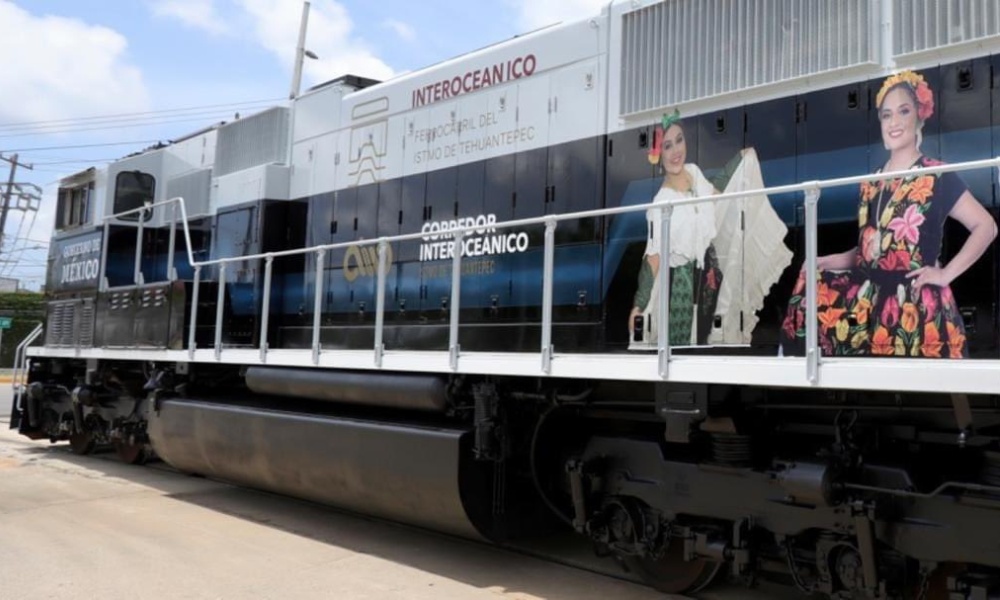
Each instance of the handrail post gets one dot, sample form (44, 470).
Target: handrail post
(137, 271)
(171, 247)
(265, 309)
(194, 312)
(548, 267)
(220, 306)
(663, 316)
(318, 306)
(380, 301)
(456, 293)
(812, 316)
(102, 283)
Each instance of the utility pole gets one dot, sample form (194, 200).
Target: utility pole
(5, 207)
(300, 53)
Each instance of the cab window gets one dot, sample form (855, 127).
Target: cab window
(132, 190)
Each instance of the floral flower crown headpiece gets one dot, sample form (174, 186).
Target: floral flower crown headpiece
(657, 145)
(917, 83)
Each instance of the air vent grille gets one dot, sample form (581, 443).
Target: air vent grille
(195, 188)
(256, 140)
(683, 50)
(922, 25)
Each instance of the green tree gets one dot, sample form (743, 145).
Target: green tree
(27, 309)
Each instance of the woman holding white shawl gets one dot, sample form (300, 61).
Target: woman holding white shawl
(719, 272)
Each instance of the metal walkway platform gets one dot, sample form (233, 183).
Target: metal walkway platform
(888, 374)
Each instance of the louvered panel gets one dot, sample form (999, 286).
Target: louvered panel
(922, 25)
(53, 323)
(256, 140)
(683, 50)
(85, 328)
(195, 188)
(63, 323)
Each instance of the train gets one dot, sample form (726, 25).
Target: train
(711, 286)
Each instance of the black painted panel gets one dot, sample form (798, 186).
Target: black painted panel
(366, 215)
(575, 184)
(414, 189)
(964, 107)
(499, 192)
(343, 225)
(530, 180)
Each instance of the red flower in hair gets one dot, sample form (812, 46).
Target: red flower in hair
(925, 101)
(656, 147)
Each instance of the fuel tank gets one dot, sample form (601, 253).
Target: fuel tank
(427, 393)
(407, 473)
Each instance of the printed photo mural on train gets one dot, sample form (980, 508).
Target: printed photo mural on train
(886, 290)
(890, 294)
(720, 271)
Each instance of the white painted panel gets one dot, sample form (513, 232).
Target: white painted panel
(256, 183)
(473, 122)
(317, 113)
(443, 149)
(324, 177)
(367, 151)
(575, 103)
(416, 140)
(302, 170)
(502, 105)
(533, 106)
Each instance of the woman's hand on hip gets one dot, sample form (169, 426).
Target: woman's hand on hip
(928, 276)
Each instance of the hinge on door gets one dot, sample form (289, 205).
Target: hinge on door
(743, 221)
(336, 158)
(800, 112)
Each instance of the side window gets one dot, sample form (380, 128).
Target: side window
(74, 207)
(132, 190)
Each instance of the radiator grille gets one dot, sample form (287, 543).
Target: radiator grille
(195, 188)
(255, 140)
(920, 25)
(682, 50)
(85, 330)
(61, 323)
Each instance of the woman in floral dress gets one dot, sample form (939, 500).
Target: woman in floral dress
(889, 295)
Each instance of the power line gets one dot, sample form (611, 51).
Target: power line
(116, 126)
(93, 125)
(151, 112)
(74, 146)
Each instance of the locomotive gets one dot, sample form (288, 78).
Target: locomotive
(554, 285)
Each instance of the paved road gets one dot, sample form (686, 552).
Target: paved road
(5, 397)
(74, 527)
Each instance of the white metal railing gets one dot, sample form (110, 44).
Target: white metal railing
(21, 362)
(811, 191)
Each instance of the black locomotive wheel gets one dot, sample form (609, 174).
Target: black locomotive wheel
(671, 574)
(131, 454)
(82, 443)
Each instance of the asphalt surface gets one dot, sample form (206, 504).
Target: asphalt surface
(92, 527)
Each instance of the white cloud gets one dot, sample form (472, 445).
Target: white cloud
(274, 25)
(403, 30)
(330, 35)
(59, 67)
(532, 14)
(199, 14)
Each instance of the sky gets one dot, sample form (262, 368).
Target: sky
(85, 82)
